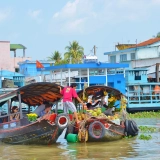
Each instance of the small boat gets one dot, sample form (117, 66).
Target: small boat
(95, 128)
(23, 131)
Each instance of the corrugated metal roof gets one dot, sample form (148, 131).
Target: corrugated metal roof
(13, 47)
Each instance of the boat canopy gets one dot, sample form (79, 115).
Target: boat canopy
(34, 94)
(93, 90)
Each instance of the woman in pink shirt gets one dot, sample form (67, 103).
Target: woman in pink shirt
(69, 93)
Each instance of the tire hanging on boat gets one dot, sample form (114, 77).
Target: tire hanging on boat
(62, 120)
(131, 128)
(98, 125)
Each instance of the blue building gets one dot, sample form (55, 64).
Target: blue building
(141, 55)
(10, 80)
(109, 74)
(28, 68)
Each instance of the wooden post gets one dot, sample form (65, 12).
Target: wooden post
(9, 109)
(157, 72)
(20, 105)
(106, 74)
(88, 76)
(56, 110)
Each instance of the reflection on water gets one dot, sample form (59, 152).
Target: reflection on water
(124, 149)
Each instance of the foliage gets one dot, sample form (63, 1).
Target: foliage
(145, 137)
(56, 57)
(32, 116)
(145, 114)
(147, 129)
(158, 35)
(74, 52)
(128, 137)
(62, 61)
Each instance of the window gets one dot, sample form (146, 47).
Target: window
(137, 75)
(123, 57)
(133, 56)
(112, 59)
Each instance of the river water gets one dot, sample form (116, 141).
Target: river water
(124, 149)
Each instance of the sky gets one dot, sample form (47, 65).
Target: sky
(48, 26)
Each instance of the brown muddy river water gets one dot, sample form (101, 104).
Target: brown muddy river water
(125, 149)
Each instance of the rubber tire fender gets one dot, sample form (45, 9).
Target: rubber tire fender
(131, 128)
(91, 131)
(59, 116)
(134, 128)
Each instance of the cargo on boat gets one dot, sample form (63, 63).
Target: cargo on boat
(101, 120)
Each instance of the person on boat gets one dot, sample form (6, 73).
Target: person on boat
(68, 93)
(45, 114)
(40, 108)
(15, 115)
(92, 103)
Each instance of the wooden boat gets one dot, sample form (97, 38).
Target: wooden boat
(22, 131)
(97, 128)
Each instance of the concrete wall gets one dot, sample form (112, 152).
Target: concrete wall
(147, 53)
(6, 61)
(117, 81)
(144, 62)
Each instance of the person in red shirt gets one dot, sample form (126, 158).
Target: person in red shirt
(69, 93)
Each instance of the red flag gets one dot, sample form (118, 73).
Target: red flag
(39, 65)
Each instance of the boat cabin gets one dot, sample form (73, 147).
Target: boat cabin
(142, 93)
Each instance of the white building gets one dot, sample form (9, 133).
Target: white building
(142, 55)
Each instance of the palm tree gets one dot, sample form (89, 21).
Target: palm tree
(74, 52)
(56, 57)
(158, 34)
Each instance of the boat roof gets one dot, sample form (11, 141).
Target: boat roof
(34, 94)
(93, 89)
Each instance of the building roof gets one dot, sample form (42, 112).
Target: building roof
(34, 62)
(120, 51)
(147, 42)
(6, 73)
(85, 66)
(133, 48)
(13, 47)
(124, 46)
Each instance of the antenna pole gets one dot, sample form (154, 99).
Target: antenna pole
(94, 49)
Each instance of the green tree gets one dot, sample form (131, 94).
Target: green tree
(74, 52)
(158, 35)
(56, 57)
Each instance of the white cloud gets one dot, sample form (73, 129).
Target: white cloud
(35, 14)
(4, 14)
(83, 16)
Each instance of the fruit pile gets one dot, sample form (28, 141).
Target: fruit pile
(111, 101)
(98, 114)
(95, 112)
(81, 116)
(114, 117)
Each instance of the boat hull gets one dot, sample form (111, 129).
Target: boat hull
(111, 133)
(34, 133)
(109, 136)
